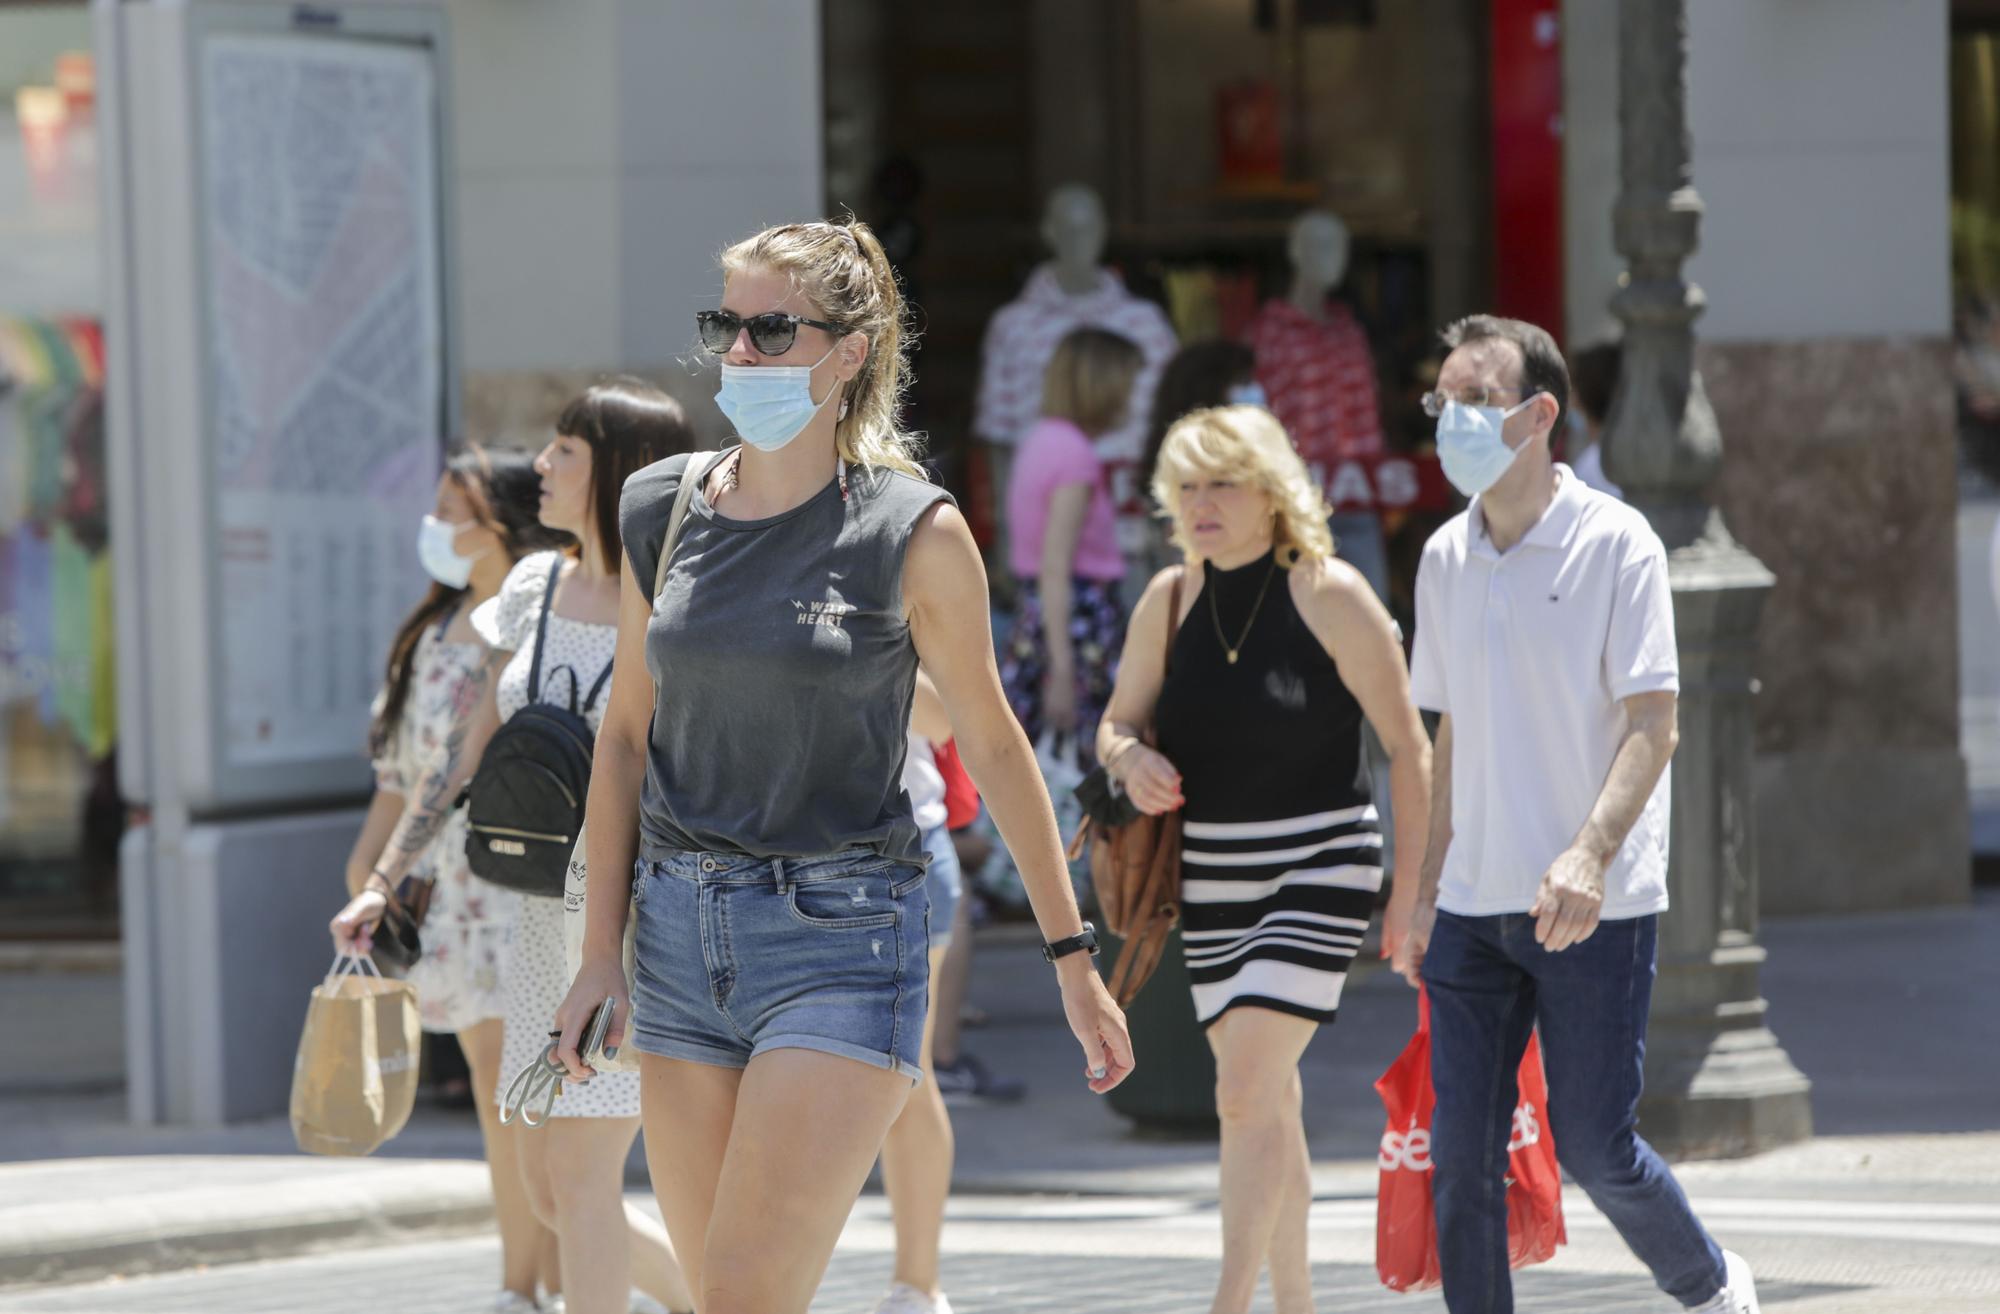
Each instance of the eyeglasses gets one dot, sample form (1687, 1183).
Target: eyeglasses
(771, 333)
(1435, 402)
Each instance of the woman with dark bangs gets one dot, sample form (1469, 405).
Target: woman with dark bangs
(564, 605)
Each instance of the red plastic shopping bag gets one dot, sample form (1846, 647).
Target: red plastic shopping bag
(1406, 1253)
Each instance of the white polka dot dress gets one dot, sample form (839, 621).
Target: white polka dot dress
(535, 974)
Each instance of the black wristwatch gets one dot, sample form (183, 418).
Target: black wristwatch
(1084, 939)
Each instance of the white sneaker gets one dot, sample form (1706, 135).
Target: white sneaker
(1739, 1295)
(513, 1302)
(906, 1299)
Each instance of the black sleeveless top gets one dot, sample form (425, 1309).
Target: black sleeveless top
(1275, 735)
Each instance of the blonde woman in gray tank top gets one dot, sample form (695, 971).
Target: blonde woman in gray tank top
(746, 803)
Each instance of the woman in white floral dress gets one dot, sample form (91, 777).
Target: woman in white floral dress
(485, 519)
(573, 1167)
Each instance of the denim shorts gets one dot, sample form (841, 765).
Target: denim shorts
(737, 956)
(945, 884)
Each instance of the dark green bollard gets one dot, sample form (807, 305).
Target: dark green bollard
(1173, 1087)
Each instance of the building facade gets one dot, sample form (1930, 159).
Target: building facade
(603, 151)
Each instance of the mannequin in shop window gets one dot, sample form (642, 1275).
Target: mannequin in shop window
(1319, 378)
(1071, 290)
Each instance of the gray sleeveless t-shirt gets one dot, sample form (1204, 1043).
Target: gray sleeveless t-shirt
(783, 670)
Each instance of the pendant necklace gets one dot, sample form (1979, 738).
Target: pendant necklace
(1215, 615)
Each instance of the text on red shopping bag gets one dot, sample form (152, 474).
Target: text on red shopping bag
(1406, 1254)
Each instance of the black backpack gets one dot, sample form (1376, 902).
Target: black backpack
(524, 807)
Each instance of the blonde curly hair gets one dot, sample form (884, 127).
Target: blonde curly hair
(1248, 445)
(843, 270)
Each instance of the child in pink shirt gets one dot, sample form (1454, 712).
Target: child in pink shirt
(1063, 544)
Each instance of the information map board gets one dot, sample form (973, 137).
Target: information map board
(316, 284)
(320, 222)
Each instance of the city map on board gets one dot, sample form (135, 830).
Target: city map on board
(319, 184)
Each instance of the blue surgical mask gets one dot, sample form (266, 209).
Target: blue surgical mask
(1249, 394)
(771, 404)
(437, 550)
(1469, 444)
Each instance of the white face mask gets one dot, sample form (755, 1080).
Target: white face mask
(441, 560)
(1474, 455)
(771, 404)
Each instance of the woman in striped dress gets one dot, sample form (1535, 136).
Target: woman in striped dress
(1278, 651)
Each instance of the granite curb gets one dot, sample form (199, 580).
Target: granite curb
(100, 957)
(75, 1220)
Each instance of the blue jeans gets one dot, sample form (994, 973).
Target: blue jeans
(944, 883)
(1490, 984)
(737, 956)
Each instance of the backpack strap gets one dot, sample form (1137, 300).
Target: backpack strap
(575, 686)
(603, 678)
(542, 635)
(693, 477)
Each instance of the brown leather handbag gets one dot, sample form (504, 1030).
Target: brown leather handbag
(1135, 867)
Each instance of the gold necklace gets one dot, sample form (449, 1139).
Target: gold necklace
(1215, 614)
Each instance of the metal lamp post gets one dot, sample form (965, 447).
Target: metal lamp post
(1717, 1081)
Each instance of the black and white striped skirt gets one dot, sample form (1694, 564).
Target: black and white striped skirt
(1272, 912)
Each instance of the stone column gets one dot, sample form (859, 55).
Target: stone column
(1717, 1081)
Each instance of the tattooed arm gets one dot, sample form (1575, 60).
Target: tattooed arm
(475, 716)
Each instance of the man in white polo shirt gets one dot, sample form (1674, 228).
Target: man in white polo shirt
(1545, 639)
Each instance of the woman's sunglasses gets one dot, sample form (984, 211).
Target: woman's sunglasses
(771, 333)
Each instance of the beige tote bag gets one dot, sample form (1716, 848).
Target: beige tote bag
(355, 1078)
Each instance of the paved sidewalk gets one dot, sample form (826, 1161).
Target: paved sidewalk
(1904, 1053)
(1152, 1255)
(65, 1220)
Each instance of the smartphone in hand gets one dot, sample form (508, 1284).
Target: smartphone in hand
(590, 1045)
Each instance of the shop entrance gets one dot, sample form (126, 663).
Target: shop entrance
(1207, 131)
